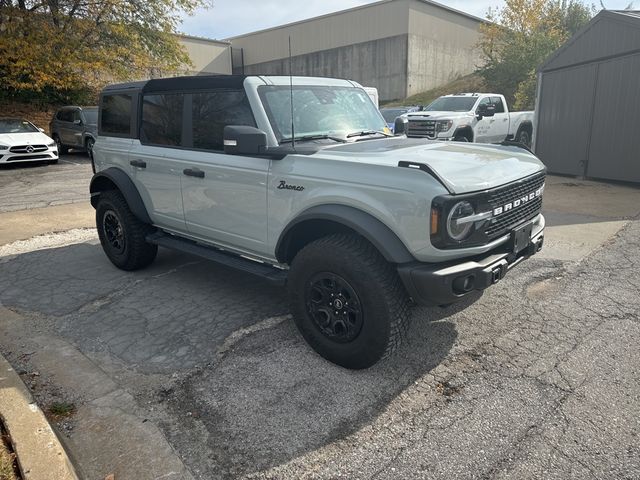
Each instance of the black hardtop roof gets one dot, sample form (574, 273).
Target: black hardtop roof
(197, 82)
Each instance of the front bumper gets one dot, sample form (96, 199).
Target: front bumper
(442, 284)
(49, 154)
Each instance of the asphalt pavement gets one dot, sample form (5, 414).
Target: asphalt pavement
(190, 370)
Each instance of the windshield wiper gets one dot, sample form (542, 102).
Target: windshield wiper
(306, 138)
(365, 133)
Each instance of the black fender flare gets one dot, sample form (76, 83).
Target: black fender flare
(366, 225)
(465, 128)
(112, 176)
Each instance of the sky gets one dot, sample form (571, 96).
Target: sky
(229, 18)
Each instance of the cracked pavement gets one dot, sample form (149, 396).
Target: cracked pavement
(190, 370)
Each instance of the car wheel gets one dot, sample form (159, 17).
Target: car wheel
(524, 138)
(89, 147)
(347, 301)
(461, 139)
(122, 235)
(61, 148)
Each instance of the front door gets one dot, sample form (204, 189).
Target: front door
(483, 126)
(224, 196)
(500, 123)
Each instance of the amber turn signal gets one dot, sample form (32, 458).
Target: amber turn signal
(435, 217)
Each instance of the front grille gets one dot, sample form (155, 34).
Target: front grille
(30, 157)
(25, 148)
(508, 194)
(421, 128)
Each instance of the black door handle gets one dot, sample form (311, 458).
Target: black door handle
(193, 172)
(138, 163)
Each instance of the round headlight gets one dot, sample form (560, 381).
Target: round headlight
(459, 231)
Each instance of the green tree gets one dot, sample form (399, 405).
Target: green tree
(65, 50)
(521, 35)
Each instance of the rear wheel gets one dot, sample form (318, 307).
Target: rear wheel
(348, 301)
(122, 235)
(88, 145)
(524, 137)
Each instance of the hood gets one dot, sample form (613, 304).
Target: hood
(29, 138)
(461, 167)
(436, 115)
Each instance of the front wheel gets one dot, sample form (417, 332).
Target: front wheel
(122, 235)
(348, 301)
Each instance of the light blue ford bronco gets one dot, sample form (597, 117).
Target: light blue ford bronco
(298, 180)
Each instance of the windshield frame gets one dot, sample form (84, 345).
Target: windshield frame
(263, 90)
(457, 97)
(19, 120)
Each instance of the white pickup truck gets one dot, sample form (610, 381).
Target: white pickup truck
(468, 117)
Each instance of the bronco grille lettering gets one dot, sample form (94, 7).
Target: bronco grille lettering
(520, 201)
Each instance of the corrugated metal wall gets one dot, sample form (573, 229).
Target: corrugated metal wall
(587, 113)
(614, 151)
(564, 119)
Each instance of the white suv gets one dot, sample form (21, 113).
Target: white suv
(354, 221)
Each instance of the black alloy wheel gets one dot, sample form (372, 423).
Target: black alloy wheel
(113, 231)
(334, 307)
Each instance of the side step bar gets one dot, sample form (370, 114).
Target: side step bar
(267, 272)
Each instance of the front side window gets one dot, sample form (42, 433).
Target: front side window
(162, 119)
(116, 114)
(497, 102)
(320, 110)
(212, 111)
(65, 115)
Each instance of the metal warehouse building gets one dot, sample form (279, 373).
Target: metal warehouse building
(402, 47)
(589, 99)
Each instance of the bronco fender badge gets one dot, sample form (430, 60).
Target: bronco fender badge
(285, 186)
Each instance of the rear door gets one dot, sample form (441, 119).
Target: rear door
(156, 159)
(64, 122)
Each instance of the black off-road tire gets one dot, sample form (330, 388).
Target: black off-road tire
(132, 251)
(88, 146)
(379, 292)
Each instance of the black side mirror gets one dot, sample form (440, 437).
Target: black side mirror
(400, 126)
(244, 140)
(486, 111)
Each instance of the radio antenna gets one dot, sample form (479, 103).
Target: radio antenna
(293, 133)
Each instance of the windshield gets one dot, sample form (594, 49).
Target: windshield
(452, 104)
(91, 115)
(390, 114)
(16, 126)
(320, 111)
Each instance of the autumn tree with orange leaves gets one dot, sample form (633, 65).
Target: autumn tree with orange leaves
(65, 50)
(521, 35)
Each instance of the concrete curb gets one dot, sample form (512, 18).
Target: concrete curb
(40, 453)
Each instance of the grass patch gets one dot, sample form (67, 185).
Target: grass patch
(59, 410)
(469, 83)
(8, 465)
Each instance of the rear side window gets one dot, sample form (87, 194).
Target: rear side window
(65, 115)
(162, 119)
(115, 115)
(212, 111)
